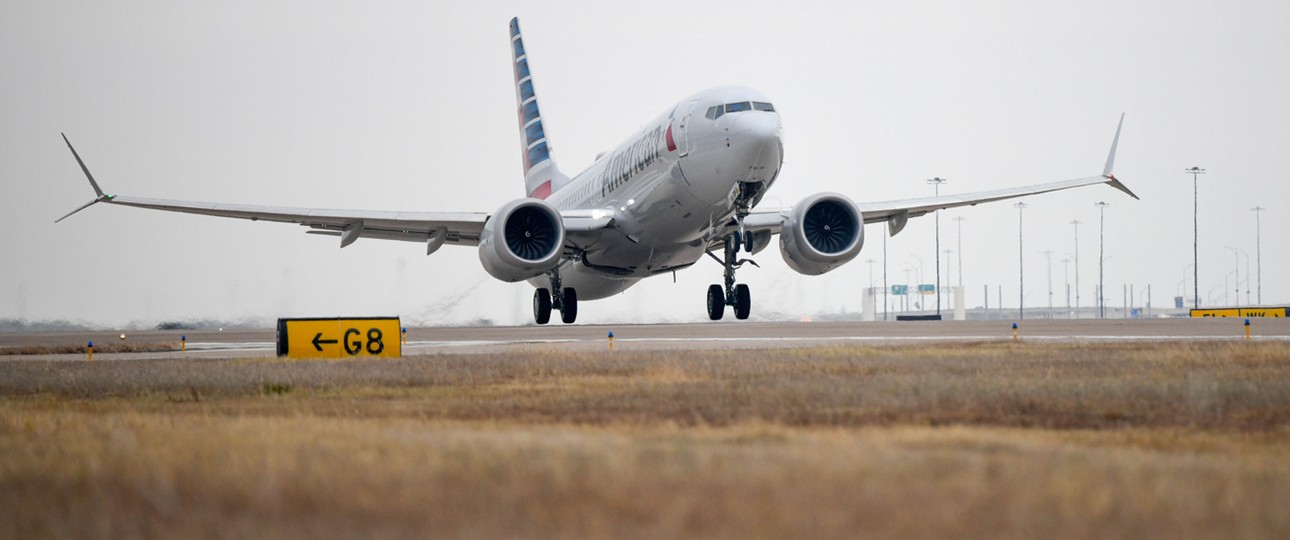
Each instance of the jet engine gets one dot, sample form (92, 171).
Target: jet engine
(521, 240)
(823, 232)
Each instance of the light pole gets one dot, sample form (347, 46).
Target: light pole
(870, 290)
(1076, 224)
(1049, 256)
(1021, 265)
(1101, 257)
(1195, 172)
(1236, 260)
(885, 289)
(1183, 291)
(906, 299)
(1247, 277)
(1258, 249)
(936, 184)
(1066, 276)
(949, 276)
(960, 248)
(1238, 274)
(959, 219)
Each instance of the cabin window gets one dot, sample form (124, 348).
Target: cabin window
(519, 47)
(526, 90)
(522, 69)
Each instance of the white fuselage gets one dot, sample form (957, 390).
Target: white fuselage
(670, 188)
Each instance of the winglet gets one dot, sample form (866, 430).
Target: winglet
(1107, 171)
(98, 192)
(1110, 158)
(84, 169)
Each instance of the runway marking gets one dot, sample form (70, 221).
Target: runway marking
(217, 346)
(263, 346)
(959, 338)
(801, 339)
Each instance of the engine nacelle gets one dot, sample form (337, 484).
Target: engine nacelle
(823, 232)
(521, 240)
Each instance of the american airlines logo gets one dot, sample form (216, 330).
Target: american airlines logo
(635, 158)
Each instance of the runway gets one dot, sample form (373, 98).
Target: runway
(717, 335)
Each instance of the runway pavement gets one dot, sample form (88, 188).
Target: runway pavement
(719, 335)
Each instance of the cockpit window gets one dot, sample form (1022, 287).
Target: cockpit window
(717, 111)
(737, 107)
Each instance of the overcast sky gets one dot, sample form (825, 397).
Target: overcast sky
(410, 106)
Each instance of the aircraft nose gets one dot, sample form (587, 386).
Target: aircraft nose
(757, 129)
(756, 140)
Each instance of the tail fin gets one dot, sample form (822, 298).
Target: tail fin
(541, 175)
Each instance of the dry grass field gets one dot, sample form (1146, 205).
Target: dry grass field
(1179, 440)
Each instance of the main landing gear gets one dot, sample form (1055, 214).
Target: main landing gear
(737, 296)
(564, 300)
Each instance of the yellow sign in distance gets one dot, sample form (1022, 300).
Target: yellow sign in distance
(340, 338)
(1276, 312)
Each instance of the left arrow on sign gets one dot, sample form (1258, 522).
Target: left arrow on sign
(318, 341)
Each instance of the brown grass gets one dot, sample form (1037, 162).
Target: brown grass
(101, 348)
(978, 440)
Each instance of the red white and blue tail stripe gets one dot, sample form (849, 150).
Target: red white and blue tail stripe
(541, 176)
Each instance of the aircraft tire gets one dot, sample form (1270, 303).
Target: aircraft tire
(743, 301)
(716, 302)
(569, 312)
(541, 306)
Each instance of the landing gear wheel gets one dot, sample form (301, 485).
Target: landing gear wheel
(716, 302)
(541, 306)
(743, 301)
(748, 243)
(569, 311)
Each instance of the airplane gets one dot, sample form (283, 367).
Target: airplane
(687, 185)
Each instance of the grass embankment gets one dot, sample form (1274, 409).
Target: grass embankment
(102, 348)
(969, 440)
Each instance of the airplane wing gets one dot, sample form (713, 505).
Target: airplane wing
(435, 229)
(897, 213)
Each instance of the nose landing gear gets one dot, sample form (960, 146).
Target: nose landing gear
(564, 300)
(734, 295)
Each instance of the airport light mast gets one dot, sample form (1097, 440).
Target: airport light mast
(949, 275)
(870, 289)
(936, 184)
(1021, 264)
(1101, 257)
(1195, 172)
(1049, 256)
(960, 248)
(1258, 248)
(1236, 261)
(1066, 277)
(885, 289)
(1075, 222)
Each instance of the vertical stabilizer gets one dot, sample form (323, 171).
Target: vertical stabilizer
(541, 176)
